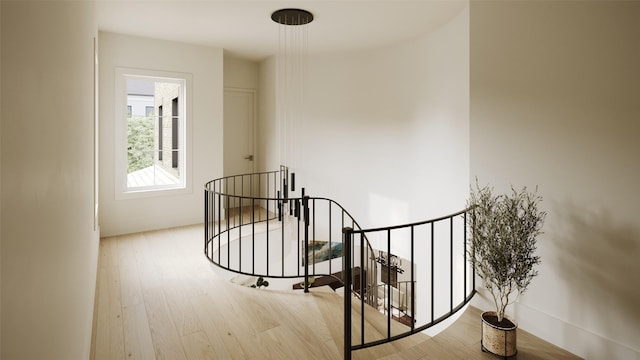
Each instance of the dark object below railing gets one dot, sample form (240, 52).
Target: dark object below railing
(334, 281)
(291, 228)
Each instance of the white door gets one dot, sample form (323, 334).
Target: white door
(239, 119)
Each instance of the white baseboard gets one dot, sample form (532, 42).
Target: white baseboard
(572, 338)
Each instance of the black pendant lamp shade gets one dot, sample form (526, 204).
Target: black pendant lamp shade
(292, 17)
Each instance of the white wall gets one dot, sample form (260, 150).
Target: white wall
(554, 103)
(49, 246)
(205, 64)
(386, 130)
(267, 149)
(240, 73)
(240, 81)
(0, 178)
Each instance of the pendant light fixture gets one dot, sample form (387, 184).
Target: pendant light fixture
(290, 79)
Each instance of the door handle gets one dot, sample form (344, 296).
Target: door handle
(249, 157)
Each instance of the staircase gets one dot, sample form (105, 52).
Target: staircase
(278, 240)
(330, 305)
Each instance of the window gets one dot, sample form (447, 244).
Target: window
(151, 150)
(175, 117)
(160, 132)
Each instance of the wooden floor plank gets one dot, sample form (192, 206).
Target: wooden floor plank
(164, 334)
(110, 333)
(198, 347)
(137, 334)
(130, 287)
(216, 330)
(181, 310)
(101, 338)
(158, 297)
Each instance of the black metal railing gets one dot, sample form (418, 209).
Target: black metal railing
(413, 277)
(255, 225)
(434, 270)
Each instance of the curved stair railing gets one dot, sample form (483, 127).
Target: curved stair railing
(256, 226)
(439, 279)
(412, 276)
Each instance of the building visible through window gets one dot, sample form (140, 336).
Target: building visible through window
(154, 149)
(175, 116)
(160, 132)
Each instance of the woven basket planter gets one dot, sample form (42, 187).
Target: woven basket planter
(498, 339)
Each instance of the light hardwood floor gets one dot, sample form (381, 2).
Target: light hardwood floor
(158, 297)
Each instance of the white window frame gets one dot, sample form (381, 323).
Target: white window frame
(185, 135)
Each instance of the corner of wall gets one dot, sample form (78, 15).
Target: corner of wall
(205, 66)
(1, 152)
(565, 118)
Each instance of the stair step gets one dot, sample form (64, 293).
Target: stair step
(331, 306)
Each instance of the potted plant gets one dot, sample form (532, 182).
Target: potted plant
(260, 283)
(502, 245)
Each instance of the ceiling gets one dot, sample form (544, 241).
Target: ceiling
(244, 28)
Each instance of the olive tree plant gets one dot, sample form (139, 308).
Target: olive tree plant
(504, 229)
(140, 142)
